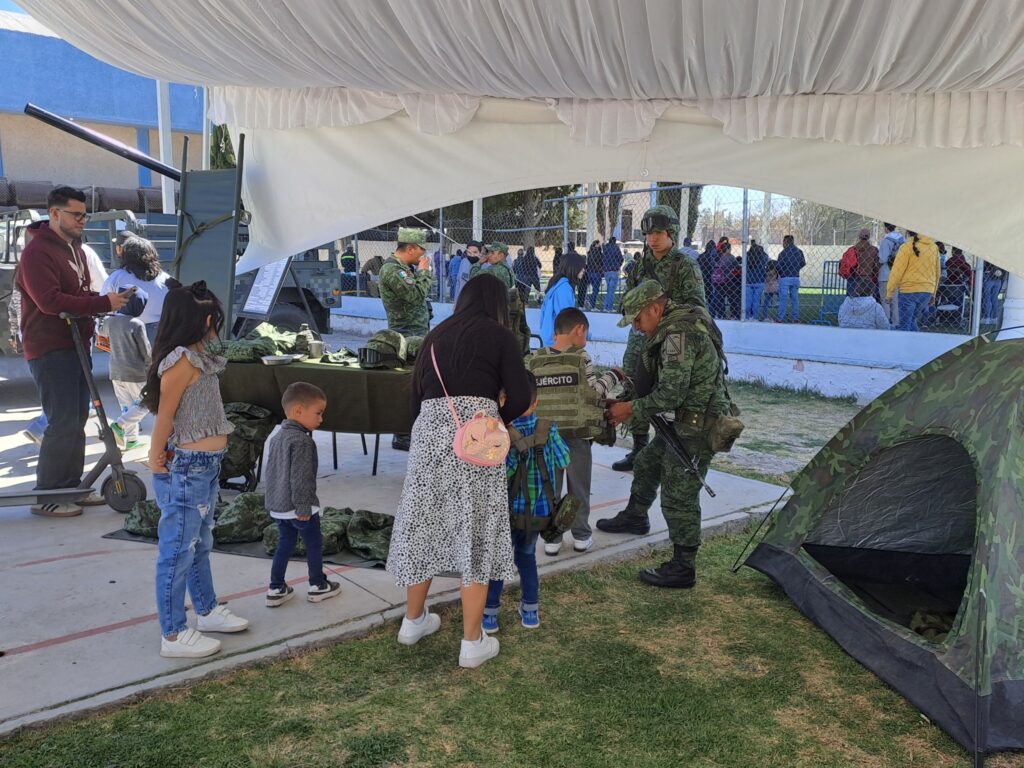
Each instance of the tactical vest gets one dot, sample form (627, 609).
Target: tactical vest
(563, 394)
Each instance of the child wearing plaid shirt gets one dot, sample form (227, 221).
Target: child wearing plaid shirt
(530, 499)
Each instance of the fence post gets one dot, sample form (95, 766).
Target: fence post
(565, 224)
(979, 279)
(744, 237)
(478, 219)
(442, 276)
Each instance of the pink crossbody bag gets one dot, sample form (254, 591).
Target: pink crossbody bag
(483, 440)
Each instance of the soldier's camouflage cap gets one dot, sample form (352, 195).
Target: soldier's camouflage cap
(413, 235)
(498, 247)
(635, 300)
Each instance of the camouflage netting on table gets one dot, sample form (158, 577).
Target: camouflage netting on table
(904, 539)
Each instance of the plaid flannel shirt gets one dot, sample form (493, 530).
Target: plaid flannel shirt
(556, 455)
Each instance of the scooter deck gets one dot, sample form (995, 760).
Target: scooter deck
(52, 496)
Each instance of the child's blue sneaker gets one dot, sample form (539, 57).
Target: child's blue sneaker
(490, 623)
(531, 619)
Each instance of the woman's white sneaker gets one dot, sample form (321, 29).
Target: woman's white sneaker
(476, 652)
(413, 631)
(220, 619)
(189, 645)
(582, 545)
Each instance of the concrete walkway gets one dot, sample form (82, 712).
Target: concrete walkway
(78, 628)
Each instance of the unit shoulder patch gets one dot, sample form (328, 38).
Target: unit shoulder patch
(673, 347)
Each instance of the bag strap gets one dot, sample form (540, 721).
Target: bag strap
(545, 478)
(433, 358)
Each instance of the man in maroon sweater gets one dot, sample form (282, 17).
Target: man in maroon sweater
(53, 277)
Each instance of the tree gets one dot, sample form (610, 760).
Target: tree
(222, 153)
(693, 209)
(809, 219)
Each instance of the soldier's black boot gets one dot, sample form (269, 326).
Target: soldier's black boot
(625, 464)
(401, 442)
(678, 573)
(633, 519)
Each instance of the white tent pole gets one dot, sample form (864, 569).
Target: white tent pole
(744, 238)
(979, 275)
(1013, 308)
(478, 219)
(163, 115)
(206, 130)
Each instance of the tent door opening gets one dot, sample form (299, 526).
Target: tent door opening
(901, 534)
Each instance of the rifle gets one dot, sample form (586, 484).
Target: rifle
(664, 430)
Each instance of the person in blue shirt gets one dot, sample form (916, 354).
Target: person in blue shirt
(561, 293)
(791, 261)
(530, 502)
(612, 267)
(757, 265)
(887, 250)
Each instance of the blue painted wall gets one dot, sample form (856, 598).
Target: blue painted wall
(60, 78)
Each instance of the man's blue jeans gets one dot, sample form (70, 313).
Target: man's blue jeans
(524, 546)
(593, 282)
(65, 397)
(789, 293)
(911, 305)
(187, 497)
(754, 292)
(990, 298)
(611, 280)
(289, 531)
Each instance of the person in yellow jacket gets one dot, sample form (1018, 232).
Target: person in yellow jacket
(915, 274)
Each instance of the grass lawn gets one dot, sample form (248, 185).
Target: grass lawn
(727, 674)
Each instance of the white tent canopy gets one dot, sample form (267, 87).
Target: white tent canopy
(361, 111)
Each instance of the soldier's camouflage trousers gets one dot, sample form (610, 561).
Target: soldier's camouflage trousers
(635, 344)
(680, 488)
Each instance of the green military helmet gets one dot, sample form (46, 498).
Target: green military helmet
(660, 217)
(413, 236)
(635, 300)
(496, 246)
(385, 349)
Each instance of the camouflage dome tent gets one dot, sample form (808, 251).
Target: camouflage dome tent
(914, 509)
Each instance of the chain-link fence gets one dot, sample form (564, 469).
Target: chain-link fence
(828, 275)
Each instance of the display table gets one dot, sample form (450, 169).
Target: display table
(367, 402)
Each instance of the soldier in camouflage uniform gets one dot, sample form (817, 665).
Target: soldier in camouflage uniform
(681, 372)
(495, 264)
(679, 276)
(403, 291)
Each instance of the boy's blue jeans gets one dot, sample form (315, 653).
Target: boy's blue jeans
(289, 531)
(187, 497)
(524, 546)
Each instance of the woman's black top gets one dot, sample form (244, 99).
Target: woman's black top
(476, 362)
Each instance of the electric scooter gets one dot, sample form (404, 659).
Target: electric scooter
(122, 488)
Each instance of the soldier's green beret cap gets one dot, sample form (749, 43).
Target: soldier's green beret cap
(498, 247)
(647, 292)
(413, 236)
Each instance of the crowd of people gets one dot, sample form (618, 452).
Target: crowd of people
(497, 432)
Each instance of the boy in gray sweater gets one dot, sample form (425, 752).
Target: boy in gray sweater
(290, 468)
(129, 362)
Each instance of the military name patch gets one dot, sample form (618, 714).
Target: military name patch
(673, 347)
(406, 276)
(558, 380)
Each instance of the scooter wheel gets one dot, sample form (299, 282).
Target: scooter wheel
(123, 500)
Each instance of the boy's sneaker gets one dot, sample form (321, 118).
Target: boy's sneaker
(319, 594)
(531, 619)
(414, 631)
(220, 619)
(582, 545)
(475, 652)
(131, 445)
(490, 623)
(56, 510)
(277, 596)
(552, 547)
(118, 435)
(189, 645)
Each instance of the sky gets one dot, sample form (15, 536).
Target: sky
(6, 5)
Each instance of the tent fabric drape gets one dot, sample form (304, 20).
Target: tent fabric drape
(907, 110)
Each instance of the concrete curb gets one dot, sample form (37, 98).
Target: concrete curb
(220, 666)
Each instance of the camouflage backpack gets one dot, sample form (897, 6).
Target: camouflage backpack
(385, 349)
(563, 394)
(253, 426)
(144, 519)
(242, 521)
(563, 510)
(517, 320)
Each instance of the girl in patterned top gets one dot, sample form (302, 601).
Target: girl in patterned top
(189, 439)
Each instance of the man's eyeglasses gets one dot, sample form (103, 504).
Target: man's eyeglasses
(81, 218)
